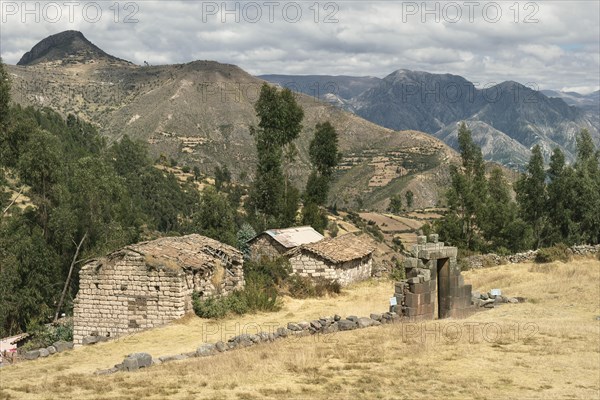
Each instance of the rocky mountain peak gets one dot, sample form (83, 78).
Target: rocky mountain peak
(68, 47)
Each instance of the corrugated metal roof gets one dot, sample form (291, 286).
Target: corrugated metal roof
(296, 236)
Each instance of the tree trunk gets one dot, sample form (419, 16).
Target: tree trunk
(64, 292)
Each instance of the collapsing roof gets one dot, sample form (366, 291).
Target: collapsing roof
(340, 249)
(293, 237)
(194, 252)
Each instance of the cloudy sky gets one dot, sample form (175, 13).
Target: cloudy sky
(551, 44)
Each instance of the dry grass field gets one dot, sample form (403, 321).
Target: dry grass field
(546, 348)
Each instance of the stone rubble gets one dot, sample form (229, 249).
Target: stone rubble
(491, 259)
(323, 325)
(488, 300)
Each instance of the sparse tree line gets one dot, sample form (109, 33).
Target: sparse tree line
(547, 206)
(82, 192)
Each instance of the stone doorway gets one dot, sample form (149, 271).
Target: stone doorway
(442, 306)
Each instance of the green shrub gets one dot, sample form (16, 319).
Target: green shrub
(185, 169)
(43, 335)
(274, 272)
(212, 307)
(559, 252)
(398, 271)
(302, 287)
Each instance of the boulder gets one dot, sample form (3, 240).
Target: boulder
(366, 322)
(294, 327)
(62, 346)
(513, 300)
(88, 340)
(206, 349)
(221, 347)
(337, 317)
(304, 325)
(282, 332)
(51, 349)
(331, 328)
(136, 361)
(352, 318)
(31, 355)
(316, 325)
(376, 317)
(44, 352)
(346, 325)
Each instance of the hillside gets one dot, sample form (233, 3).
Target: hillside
(544, 348)
(199, 113)
(507, 119)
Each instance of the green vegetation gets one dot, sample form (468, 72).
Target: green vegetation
(558, 205)
(273, 200)
(77, 186)
(301, 287)
(559, 252)
(265, 281)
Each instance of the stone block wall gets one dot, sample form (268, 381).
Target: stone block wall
(265, 246)
(123, 294)
(309, 265)
(434, 287)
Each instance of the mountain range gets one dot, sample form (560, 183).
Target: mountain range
(507, 119)
(200, 113)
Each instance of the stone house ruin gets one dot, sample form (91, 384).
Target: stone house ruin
(151, 283)
(434, 287)
(275, 243)
(347, 258)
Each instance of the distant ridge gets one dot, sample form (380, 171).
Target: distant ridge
(68, 47)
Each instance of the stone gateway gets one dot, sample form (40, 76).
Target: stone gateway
(151, 283)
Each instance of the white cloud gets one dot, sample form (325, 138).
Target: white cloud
(372, 38)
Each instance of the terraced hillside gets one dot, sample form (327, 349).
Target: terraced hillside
(200, 113)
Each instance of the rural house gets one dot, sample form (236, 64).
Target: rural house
(151, 283)
(347, 258)
(275, 243)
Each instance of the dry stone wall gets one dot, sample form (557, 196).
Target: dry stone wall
(265, 246)
(124, 294)
(307, 264)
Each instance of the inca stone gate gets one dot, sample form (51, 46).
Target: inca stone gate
(151, 283)
(434, 287)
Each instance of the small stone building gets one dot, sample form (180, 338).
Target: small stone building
(434, 287)
(346, 259)
(151, 283)
(275, 243)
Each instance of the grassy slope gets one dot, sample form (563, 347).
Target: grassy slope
(559, 359)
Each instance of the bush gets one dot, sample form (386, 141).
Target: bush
(260, 293)
(44, 335)
(302, 287)
(185, 169)
(559, 252)
(398, 271)
(275, 272)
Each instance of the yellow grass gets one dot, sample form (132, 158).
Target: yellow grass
(547, 348)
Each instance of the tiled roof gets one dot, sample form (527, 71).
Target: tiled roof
(294, 237)
(342, 248)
